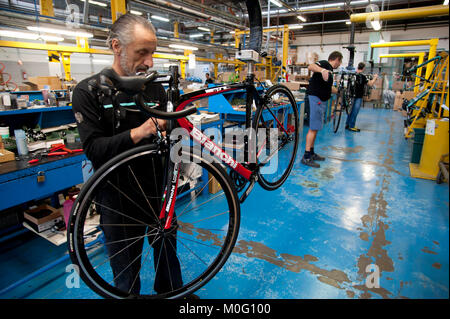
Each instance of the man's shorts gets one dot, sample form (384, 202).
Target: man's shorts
(316, 112)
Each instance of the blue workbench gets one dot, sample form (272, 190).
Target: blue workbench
(19, 180)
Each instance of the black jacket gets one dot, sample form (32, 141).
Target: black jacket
(101, 139)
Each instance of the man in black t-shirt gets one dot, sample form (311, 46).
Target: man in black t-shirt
(133, 42)
(208, 79)
(360, 83)
(318, 93)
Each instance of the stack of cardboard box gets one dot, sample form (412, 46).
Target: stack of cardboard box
(400, 97)
(39, 82)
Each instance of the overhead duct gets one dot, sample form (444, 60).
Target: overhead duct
(411, 13)
(166, 5)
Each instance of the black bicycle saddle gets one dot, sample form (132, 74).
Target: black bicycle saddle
(128, 84)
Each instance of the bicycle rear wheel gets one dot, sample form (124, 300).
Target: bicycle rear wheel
(276, 124)
(119, 244)
(337, 110)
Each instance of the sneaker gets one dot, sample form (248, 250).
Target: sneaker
(317, 157)
(309, 162)
(354, 129)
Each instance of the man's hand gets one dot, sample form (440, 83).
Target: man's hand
(147, 129)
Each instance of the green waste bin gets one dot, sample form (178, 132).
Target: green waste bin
(419, 137)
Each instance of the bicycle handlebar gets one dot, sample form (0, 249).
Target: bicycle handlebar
(135, 86)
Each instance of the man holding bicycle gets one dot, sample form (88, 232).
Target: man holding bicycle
(360, 83)
(107, 130)
(318, 93)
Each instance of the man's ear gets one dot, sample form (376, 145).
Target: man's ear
(116, 47)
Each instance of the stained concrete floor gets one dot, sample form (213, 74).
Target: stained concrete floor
(321, 235)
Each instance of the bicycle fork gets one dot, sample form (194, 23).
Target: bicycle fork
(170, 195)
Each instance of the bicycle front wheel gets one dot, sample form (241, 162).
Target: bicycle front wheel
(276, 124)
(119, 243)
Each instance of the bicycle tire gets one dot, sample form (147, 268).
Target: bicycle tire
(288, 136)
(337, 110)
(217, 242)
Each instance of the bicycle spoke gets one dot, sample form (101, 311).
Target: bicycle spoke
(195, 196)
(127, 197)
(122, 240)
(143, 194)
(140, 267)
(195, 207)
(193, 253)
(117, 212)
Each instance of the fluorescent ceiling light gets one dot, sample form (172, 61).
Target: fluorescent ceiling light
(163, 49)
(302, 18)
(160, 18)
(29, 36)
(204, 29)
(81, 34)
(180, 46)
(197, 35)
(166, 65)
(322, 6)
(445, 2)
(295, 26)
(264, 13)
(101, 61)
(138, 13)
(348, 22)
(277, 3)
(101, 4)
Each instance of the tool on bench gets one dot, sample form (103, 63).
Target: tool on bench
(55, 150)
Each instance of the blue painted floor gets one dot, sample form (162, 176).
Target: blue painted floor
(326, 233)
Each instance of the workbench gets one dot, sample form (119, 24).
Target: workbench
(19, 182)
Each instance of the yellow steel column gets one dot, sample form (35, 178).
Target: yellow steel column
(285, 50)
(219, 56)
(237, 39)
(212, 36)
(46, 8)
(176, 32)
(66, 64)
(118, 7)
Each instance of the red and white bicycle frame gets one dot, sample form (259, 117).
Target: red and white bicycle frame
(170, 192)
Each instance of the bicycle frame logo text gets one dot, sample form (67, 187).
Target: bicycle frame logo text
(259, 143)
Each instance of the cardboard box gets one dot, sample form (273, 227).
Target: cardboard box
(40, 82)
(398, 101)
(6, 156)
(43, 217)
(213, 185)
(408, 95)
(292, 85)
(375, 95)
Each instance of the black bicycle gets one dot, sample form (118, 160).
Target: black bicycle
(344, 97)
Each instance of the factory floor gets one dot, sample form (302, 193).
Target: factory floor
(326, 233)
